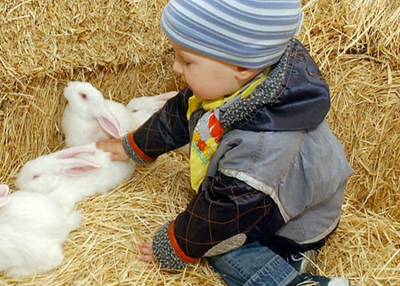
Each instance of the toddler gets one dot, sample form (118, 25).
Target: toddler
(269, 174)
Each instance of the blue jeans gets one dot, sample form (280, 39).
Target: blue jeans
(253, 264)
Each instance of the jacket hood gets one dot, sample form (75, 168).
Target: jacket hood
(294, 96)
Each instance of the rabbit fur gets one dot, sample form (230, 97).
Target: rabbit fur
(141, 108)
(70, 175)
(32, 230)
(88, 117)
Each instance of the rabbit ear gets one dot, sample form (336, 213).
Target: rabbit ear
(71, 152)
(75, 167)
(108, 121)
(166, 96)
(4, 189)
(110, 125)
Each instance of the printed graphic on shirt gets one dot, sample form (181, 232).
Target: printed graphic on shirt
(206, 138)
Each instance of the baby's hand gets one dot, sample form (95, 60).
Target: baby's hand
(146, 250)
(114, 146)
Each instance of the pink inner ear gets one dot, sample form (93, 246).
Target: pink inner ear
(79, 171)
(3, 195)
(109, 127)
(77, 167)
(3, 190)
(71, 152)
(166, 96)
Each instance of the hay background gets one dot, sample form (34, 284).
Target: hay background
(119, 47)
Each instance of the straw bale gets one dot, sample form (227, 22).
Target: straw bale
(346, 40)
(49, 37)
(365, 115)
(118, 46)
(365, 248)
(358, 27)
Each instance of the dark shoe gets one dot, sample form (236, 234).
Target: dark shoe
(305, 262)
(308, 279)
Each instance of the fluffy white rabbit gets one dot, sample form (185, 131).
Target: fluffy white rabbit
(88, 117)
(141, 108)
(32, 230)
(70, 175)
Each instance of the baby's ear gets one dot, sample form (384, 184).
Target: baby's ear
(246, 74)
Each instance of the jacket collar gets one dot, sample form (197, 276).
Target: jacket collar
(294, 96)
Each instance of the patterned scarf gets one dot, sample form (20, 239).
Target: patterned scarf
(208, 131)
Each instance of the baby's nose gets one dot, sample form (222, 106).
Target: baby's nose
(177, 67)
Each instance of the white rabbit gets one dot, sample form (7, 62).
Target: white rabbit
(70, 175)
(32, 230)
(88, 117)
(141, 108)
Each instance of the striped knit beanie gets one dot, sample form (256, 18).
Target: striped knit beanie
(247, 33)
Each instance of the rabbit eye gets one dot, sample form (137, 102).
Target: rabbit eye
(35, 176)
(83, 96)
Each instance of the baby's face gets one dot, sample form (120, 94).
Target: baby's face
(208, 78)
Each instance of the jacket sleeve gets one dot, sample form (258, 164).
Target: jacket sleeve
(221, 218)
(165, 130)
